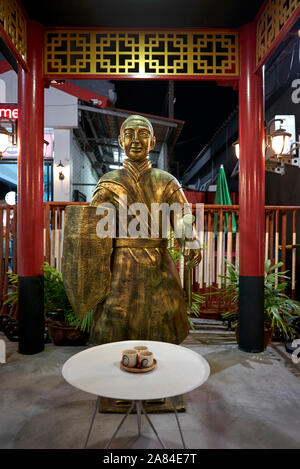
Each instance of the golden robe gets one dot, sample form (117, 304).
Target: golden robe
(146, 300)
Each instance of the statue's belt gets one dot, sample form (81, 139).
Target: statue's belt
(140, 243)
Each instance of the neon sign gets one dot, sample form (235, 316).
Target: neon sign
(9, 113)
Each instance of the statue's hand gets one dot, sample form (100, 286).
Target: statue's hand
(192, 258)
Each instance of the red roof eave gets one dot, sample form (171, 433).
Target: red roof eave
(5, 66)
(83, 94)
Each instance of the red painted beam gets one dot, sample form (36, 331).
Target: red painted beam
(252, 173)
(30, 160)
(12, 48)
(4, 66)
(140, 76)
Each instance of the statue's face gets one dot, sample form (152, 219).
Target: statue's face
(136, 140)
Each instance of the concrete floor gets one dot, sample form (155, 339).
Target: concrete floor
(249, 401)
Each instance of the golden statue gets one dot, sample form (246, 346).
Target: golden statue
(131, 281)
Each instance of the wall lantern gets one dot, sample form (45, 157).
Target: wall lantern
(61, 175)
(236, 146)
(276, 140)
(6, 138)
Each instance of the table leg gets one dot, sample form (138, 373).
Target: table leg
(151, 424)
(92, 421)
(176, 415)
(120, 424)
(139, 416)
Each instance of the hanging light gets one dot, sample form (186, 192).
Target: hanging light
(278, 141)
(46, 143)
(236, 146)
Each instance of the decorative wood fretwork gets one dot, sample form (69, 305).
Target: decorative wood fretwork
(271, 21)
(144, 53)
(14, 23)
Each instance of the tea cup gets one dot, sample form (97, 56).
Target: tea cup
(129, 358)
(146, 358)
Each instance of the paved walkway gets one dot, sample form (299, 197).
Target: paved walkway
(249, 401)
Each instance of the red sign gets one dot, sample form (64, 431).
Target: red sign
(9, 113)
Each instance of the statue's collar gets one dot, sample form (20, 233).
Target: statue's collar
(137, 169)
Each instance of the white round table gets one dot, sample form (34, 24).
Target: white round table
(96, 370)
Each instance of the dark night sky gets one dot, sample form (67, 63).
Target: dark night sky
(202, 105)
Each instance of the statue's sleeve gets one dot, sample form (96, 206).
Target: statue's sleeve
(86, 255)
(102, 193)
(175, 195)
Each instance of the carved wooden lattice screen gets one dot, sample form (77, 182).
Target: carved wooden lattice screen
(14, 23)
(270, 23)
(142, 53)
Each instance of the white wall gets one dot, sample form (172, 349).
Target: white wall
(11, 86)
(60, 108)
(61, 188)
(2, 91)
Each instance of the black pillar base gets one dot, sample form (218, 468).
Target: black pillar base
(251, 314)
(31, 315)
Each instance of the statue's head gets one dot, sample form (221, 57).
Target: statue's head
(136, 137)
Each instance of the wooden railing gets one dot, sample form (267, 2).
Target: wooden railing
(281, 239)
(8, 250)
(54, 231)
(220, 244)
(220, 239)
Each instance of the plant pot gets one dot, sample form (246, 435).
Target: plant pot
(267, 336)
(56, 316)
(61, 334)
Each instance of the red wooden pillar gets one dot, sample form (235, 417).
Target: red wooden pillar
(252, 195)
(30, 195)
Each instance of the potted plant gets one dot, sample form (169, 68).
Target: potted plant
(278, 307)
(63, 325)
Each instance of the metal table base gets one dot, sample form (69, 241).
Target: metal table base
(139, 411)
